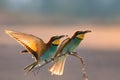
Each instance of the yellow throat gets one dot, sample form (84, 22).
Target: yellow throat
(56, 42)
(80, 36)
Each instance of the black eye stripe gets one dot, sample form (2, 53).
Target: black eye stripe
(55, 39)
(55, 44)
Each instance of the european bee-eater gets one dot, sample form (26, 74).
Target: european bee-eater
(36, 46)
(67, 47)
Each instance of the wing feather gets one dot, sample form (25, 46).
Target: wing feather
(33, 44)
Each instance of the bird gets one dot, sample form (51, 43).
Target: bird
(67, 47)
(40, 50)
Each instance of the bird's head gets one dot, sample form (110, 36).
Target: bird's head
(55, 40)
(81, 34)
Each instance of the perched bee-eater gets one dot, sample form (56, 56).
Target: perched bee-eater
(36, 46)
(67, 47)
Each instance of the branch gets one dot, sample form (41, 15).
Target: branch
(75, 54)
(85, 77)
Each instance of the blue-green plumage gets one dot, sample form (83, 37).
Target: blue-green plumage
(67, 46)
(47, 56)
(73, 43)
(49, 53)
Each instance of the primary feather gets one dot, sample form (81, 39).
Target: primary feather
(32, 43)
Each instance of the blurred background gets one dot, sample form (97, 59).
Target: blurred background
(45, 18)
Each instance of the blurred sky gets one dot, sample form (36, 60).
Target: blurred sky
(100, 16)
(59, 11)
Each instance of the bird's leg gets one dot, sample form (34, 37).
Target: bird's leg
(69, 53)
(85, 77)
(52, 59)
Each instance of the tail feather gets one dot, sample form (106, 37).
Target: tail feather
(58, 66)
(30, 67)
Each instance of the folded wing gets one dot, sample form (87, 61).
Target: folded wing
(62, 45)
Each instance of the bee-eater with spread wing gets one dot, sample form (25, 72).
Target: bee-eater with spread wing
(36, 46)
(66, 47)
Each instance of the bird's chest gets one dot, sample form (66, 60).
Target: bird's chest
(71, 45)
(49, 53)
(52, 50)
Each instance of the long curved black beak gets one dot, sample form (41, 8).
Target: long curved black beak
(63, 36)
(87, 31)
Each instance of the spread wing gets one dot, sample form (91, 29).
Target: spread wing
(33, 44)
(63, 43)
